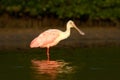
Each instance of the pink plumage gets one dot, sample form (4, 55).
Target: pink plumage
(45, 39)
(52, 36)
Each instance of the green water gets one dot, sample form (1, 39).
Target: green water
(65, 64)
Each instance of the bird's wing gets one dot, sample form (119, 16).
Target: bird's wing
(34, 43)
(48, 37)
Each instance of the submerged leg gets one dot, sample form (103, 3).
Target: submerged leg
(48, 55)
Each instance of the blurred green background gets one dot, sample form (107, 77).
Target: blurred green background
(92, 12)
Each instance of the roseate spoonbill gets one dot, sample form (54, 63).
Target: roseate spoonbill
(52, 37)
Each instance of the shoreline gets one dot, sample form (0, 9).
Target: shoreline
(95, 37)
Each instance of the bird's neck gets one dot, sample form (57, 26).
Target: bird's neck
(67, 29)
(67, 32)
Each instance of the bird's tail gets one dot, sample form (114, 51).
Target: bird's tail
(34, 43)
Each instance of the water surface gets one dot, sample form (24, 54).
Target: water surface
(65, 64)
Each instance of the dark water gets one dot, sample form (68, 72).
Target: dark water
(65, 64)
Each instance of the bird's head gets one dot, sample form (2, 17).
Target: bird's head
(71, 24)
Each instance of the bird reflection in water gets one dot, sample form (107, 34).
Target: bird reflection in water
(50, 69)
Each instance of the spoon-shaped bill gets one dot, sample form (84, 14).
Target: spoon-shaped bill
(82, 33)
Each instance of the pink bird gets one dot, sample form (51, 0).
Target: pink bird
(52, 37)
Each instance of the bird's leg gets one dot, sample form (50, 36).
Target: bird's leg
(48, 55)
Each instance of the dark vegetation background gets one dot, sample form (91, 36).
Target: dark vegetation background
(56, 12)
(23, 20)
